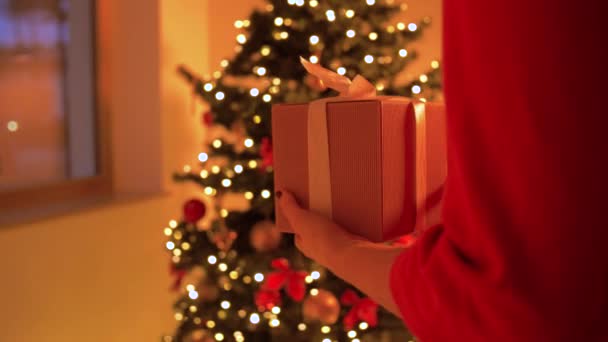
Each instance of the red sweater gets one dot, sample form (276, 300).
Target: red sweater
(522, 254)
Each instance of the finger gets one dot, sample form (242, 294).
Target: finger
(289, 208)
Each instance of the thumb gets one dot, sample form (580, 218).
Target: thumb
(289, 207)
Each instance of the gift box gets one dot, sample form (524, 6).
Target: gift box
(374, 165)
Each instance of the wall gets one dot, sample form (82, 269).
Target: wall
(101, 275)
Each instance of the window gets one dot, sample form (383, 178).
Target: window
(50, 131)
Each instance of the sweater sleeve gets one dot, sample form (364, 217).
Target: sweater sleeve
(520, 255)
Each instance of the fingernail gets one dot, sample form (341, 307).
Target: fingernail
(278, 194)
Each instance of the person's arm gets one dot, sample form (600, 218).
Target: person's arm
(364, 264)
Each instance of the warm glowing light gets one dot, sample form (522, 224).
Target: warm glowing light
(350, 33)
(278, 21)
(352, 334)
(400, 26)
(416, 89)
(435, 64)
(373, 36)
(369, 59)
(238, 168)
(403, 53)
(248, 142)
(203, 157)
(274, 323)
(254, 92)
(302, 327)
(390, 29)
(215, 169)
(276, 81)
(219, 96)
(314, 59)
(212, 259)
(173, 224)
(284, 35)
(217, 143)
(167, 231)
(208, 191)
(315, 275)
(299, 3)
(257, 119)
(238, 24)
(178, 316)
(226, 182)
(252, 164)
(325, 329)
(204, 174)
(363, 325)
(225, 305)
(308, 279)
(424, 78)
(210, 324)
(219, 337)
(331, 15)
(208, 87)
(265, 50)
(265, 193)
(314, 40)
(349, 13)
(241, 38)
(170, 245)
(341, 71)
(193, 294)
(224, 63)
(261, 71)
(254, 318)
(259, 277)
(370, 2)
(234, 275)
(313, 3)
(266, 98)
(276, 310)
(314, 292)
(247, 279)
(249, 195)
(326, 340)
(412, 27)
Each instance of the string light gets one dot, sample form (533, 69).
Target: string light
(217, 143)
(352, 334)
(267, 98)
(225, 305)
(193, 309)
(234, 275)
(313, 3)
(252, 164)
(204, 174)
(249, 195)
(341, 71)
(177, 235)
(400, 26)
(215, 169)
(265, 193)
(238, 24)
(412, 27)
(416, 89)
(373, 36)
(315, 275)
(242, 313)
(380, 87)
(278, 21)
(435, 64)
(185, 246)
(217, 74)
(187, 168)
(167, 231)
(208, 191)
(239, 336)
(265, 50)
(369, 59)
(276, 310)
(314, 40)
(403, 53)
(308, 279)
(302, 327)
(363, 325)
(219, 337)
(224, 63)
(177, 252)
(288, 22)
(273, 90)
(350, 13)
(370, 2)
(208, 87)
(390, 29)
(254, 318)
(248, 142)
(259, 277)
(226, 182)
(238, 168)
(241, 39)
(424, 78)
(219, 95)
(261, 71)
(193, 294)
(247, 279)
(276, 81)
(170, 245)
(246, 23)
(257, 119)
(284, 35)
(325, 329)
(203, 157)
(299, 3)
(357, 340)
(274, 323)
(210, 324)
(223, 213)
(331, 15)
(173, 224)
(222, 267)
(314, 59)
(178, 316)
(326, 340)
(350, 33)
(291, 2)
(254, 92)
(314, 292)
(212, 259)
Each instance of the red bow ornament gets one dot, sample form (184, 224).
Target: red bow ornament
(363, 310)
(285, 277)
(267, 299)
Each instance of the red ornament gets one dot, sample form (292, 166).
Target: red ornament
(194, 210)
(363, 310)
(285, 277)
(207, 119)
(267, 299)
(178, 275)
(266, 152)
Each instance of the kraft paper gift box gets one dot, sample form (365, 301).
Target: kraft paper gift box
(374, 165)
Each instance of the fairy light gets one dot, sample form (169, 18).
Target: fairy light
(341, 71)
(208, 87)
(217, 74)
(435, 64)
(215, 169)
(315, 275)
(302, 327)
(210, 324)
(325, 329)
(247, 279)
(352, 334)
(326, 340)
(185, 246)
(313, 3)
(424, 78)
(261, 71)
(363, 325)
(259, 277)
(276, 310)
(299, 3)
(349, 13)
(249, 195)
(308, 279)
(203, 157)
(403, 53)
(222, 267)
(390, 29)
(238, 336)
(276, 81)
(265, 50)
(193, 294)
(238, 24)
(265, 193)
(178, 316)
(234, 275)
(226, 182)
(225, 305)
(400, 26)
(267, 98)
(241, 39)
(369, 59)
(288, 22)
(192, 308)
(380, 87)
(350, 33)
(219, 337)
(177, 235)
(252, 164)
(238, 168)
(370, 2)
(373, 36)
(254, 92)
(291, 2)
(177, 252)
(224, 63)
(208, 191)
(284, 35)
(217, 143)
(416, 89)
(223, 213)
(187, 168)
(254, 318)
(175, 259)
(314, 40)
(274, 323)
(219, 95)
(412, 27)
(356, 340)
(212, 259)
(173, 224)
(331, 15)
(278, 21)
(170, 245)
(248, 142)
(314, 59)
(314, 292)
(272, 90)
(204, 174)
(167, 231)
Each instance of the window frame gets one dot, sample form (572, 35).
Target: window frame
(99, 186)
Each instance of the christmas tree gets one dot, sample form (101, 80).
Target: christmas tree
(237, 277)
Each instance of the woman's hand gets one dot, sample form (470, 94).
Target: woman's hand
(364, 264)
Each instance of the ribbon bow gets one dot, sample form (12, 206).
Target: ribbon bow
(363, 310)
(285, 277)
(357, 88)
